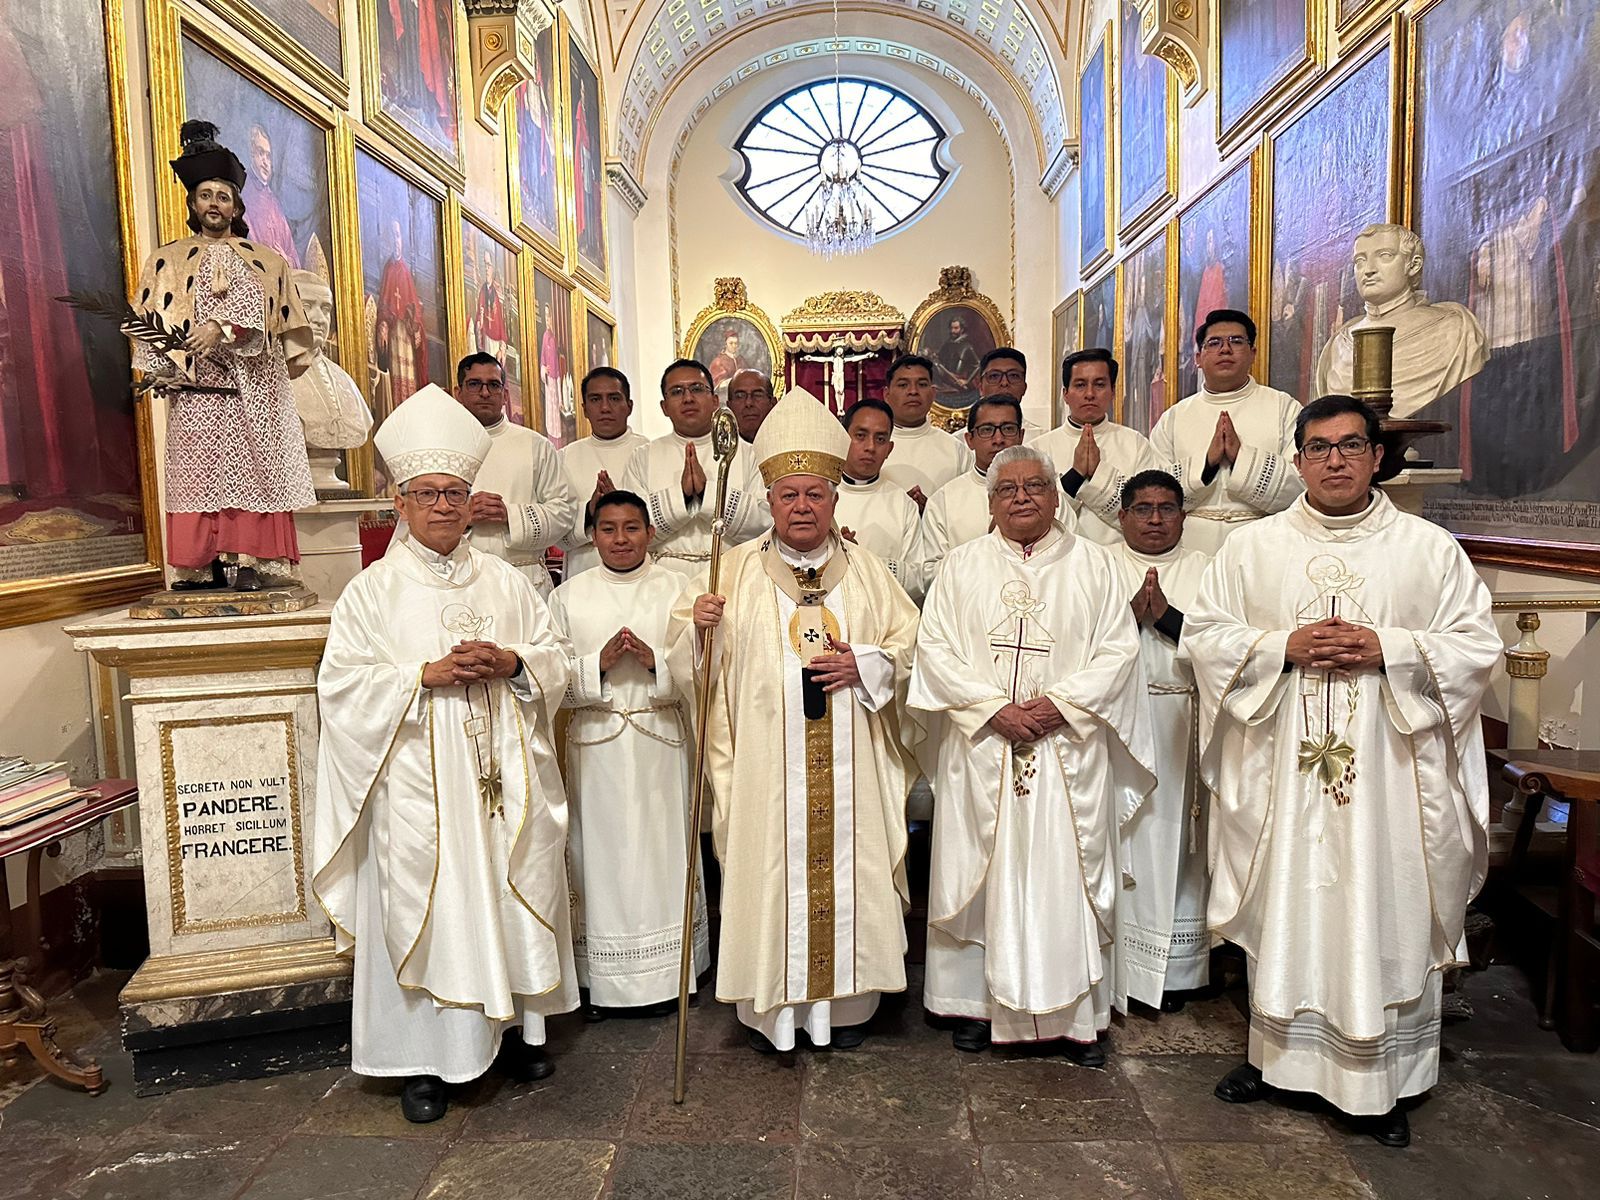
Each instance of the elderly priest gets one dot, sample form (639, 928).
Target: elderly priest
(809, 660)
(1029, 650)
(441, 821)
(1341, 650)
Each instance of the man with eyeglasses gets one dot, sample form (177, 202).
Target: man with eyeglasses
(959, 511)
(523, 504)
(1029, 653)
(1165, 950)
(1342, 650)
(1004, 372)
(750, 399)
(1231, 444)
(676, 475)
(1103, 454)
(925, 456)
(440, 818)
(593, 463)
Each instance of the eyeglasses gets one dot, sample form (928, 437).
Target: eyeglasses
(680, 390)
(750, 394)
(1012, 376)
(1318, 449)
(1234, 341)
(428, 497)
(1005, 428)
(493, 386)
(1165, 511)
(1033, 487)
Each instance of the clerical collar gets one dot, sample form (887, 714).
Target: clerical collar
(860, 483)
(442, 565)
(1238, 393)
(1145, 556)
(1077, 424)
(916, 430)
(805, 559)
(1404, 300)
(703, 440)
(498, 427)
(1027, 550)
(596, 437)
(1342, 521)
(628, 576)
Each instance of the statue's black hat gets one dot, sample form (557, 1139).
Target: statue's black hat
(205, 158)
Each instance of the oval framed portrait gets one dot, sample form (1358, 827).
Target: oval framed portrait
(953, 329)
(732, 335)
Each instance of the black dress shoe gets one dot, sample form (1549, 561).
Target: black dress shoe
(218, 581)
(245, 579)
(522, 1062)
(1085, 1054)
(1242, 1085)
(593, 1014)
(759, 1042)
(1392, 1129)
(847, 1037)
(423, 1099)
(1172, 1002)
(971, 1037)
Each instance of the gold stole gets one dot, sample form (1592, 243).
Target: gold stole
(812, 630)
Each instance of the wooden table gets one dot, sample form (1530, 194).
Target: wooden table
(24, 1022)
(1573, 976)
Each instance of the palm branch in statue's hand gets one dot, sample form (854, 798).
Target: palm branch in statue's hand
(147, 327)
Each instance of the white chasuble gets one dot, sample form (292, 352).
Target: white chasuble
(1348, 821)
(440, 820)
(1022, 903)
(1263, 479)
(884, 520)
(959, 513)
(1161, 911)
(683, 529)
(628, 764)
(926, 457)
(583, 460)
(1097, 500)
(809, 817)
(524, 470)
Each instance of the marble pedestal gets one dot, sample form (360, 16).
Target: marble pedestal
(242, 978)
(329, 533)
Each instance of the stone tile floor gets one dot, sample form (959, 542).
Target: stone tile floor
(1514, 1115)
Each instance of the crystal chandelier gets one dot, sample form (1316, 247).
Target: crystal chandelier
(838, 218)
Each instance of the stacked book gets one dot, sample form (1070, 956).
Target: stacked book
(33, 795)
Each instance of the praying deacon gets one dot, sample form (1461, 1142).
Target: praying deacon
(1231, 444)
(594, 463)
(522, 505)
(1030, 655)
(628, 762)
(810, 652)
(926, 457)
(677, 475)
(1341, 650)
(440, 818)
(872, 512)
(1165, 950)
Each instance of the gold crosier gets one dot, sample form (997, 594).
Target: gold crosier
(724, 445)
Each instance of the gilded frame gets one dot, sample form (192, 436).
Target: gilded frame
(278, 44)
(554, 253)
(1092, 258)
(1367, 15)
(1072, 304)
(1131, 225)
(956, 292)
(446, 168)
(1167, 235)
(1279, 94)
(748, 311)
(52, 597)
(598, 282)
(533, 265)
(604, 316)
(458, 215)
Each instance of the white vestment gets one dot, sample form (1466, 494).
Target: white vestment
(628, 763)
(809, 817)
(1124, 453)
(959, 513)
(1022, 903)
(1161, 911)
(884, 520)
(583, 460)
(524, 470)
(683, 533)
(452, 896)
(926, 457)
(1261, 482)
(1348, 819)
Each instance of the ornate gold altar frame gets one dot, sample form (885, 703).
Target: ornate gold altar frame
(594, 276)
(1135, 223)
(1281, 92)
(279, 45)
(955, 289)
(554, 253)
(733, 300)
(26, 601)
(446, 167)
(1107, 43)
(1389, 39)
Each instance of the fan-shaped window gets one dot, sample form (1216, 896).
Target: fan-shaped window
(842, 128)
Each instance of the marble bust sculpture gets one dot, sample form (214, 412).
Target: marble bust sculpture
(1436, 346)
(331, 407)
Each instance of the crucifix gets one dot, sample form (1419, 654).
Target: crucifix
(836, 380)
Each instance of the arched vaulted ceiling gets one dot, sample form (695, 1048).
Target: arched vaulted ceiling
(654, 46)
